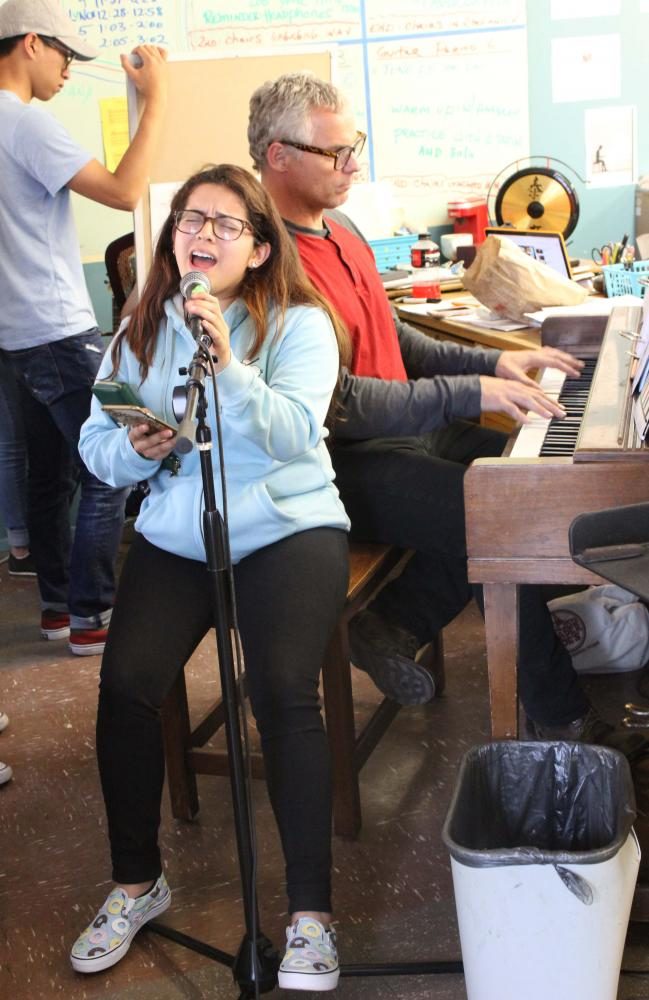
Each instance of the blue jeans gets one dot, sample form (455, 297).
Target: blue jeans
(13, 460)
(55, 383)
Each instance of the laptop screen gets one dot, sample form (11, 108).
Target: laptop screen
(546, 247)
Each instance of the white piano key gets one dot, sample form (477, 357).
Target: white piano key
(530, 437)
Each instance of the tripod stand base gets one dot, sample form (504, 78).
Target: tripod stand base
(256, 961)
(251, 964)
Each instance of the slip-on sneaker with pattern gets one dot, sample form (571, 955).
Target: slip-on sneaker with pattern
(311, 958)
(107, 939)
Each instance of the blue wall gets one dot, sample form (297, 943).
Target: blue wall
(99, 293)
(558, 129)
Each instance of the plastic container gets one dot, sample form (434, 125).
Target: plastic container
(622, 280)
(393, 252)
(426, 288)
(424, 252)
(544, 865)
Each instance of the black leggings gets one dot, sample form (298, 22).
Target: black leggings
(289, 596)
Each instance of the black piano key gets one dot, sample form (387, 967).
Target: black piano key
(561, 435)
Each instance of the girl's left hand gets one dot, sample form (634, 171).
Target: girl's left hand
(207, 308)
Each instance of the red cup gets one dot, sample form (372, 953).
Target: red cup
(424, 288)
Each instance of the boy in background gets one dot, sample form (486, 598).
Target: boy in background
(48, 331)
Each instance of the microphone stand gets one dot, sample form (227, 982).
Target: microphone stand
(254, 968)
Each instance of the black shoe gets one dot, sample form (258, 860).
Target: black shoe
(21, 567)
(388, 654)
(591, 728)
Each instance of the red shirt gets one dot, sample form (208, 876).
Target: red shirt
(342, 267)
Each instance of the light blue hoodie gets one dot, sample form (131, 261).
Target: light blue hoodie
(278, 472)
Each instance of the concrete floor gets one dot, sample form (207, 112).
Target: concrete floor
(393, 889)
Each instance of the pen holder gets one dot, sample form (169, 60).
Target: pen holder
(622, 280)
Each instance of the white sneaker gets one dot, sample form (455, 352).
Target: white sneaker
(6, 774)
(107, 939)
(311, 958)
(4, 721)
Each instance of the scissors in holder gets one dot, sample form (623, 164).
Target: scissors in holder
(603, 255)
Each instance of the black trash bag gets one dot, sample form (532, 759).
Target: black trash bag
(539, 803)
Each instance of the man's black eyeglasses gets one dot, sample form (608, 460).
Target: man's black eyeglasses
(224, 227)
(341, 157)
(52, 43)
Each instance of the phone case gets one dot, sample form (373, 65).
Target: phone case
(116, 393)
(129, 416)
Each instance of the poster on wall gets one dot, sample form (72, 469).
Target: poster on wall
(610, 141)
(587, 68)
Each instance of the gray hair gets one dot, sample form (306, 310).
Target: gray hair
(281, 109)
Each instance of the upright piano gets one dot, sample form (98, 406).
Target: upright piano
(519, 507)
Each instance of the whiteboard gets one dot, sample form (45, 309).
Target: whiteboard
(194, 134)
(439, 86)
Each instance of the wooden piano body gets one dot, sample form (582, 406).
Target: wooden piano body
(518, 510)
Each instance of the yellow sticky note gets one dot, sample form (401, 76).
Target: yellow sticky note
(114, 128)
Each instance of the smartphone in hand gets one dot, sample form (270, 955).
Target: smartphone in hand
(109, 392)
(131, 416)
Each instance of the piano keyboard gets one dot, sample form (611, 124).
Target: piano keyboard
(543, 437)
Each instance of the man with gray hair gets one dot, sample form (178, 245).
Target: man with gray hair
(402, 440)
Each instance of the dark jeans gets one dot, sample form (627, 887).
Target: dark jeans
(289, 596)
(13, 459)
(408, 491)
(55, 383)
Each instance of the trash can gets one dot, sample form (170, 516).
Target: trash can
(544, 863)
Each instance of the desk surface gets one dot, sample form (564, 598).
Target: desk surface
(448, 329)
(464, 333)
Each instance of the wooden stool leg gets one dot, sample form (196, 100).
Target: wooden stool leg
(176, 735)
(339, 716)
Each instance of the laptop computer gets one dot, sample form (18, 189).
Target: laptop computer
(542, 245)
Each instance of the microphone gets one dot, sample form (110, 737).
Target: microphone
(188, 284)
(186, 435)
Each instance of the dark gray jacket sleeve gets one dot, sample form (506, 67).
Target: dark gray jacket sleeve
(443, 385)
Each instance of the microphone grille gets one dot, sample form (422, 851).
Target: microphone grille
(189, 281)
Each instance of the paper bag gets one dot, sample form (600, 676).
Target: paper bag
(511, 283)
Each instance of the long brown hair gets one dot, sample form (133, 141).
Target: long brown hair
(276, 284)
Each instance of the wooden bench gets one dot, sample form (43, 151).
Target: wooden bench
(370, 567)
